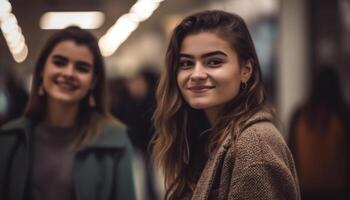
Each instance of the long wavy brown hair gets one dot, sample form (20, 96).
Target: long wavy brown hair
(89, 118)
(178, 126)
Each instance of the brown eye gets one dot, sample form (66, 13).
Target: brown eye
(185, 64)
(214, 63)
(83, 67)
(59, 63)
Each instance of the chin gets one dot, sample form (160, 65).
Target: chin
(67, 101)
(64, 99)
(198, 105)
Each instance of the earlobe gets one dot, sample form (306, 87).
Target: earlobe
(247, 70)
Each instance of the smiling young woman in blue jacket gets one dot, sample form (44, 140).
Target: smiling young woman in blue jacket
(66, 145)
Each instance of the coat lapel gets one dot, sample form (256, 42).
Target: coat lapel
(16, 159)
(210, 172)
(207, 178)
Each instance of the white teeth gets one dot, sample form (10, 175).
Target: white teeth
(65, 85)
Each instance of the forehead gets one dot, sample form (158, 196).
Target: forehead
(204, 42)
(74, 51)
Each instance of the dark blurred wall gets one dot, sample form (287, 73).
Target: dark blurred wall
(327, 37)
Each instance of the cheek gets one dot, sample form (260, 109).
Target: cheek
(48, 71)
(45, 76)
(231, 81)
(234, 87)
(180, 80)
(88, 82)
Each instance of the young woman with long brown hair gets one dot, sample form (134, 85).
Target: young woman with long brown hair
(215, 136)
(67, 145)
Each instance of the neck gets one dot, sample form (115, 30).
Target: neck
(61, 115)
(212, 115)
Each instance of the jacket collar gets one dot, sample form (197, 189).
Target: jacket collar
(21, 125)
(261, 116)
(209, 173)
(258, 117)
(111, 136)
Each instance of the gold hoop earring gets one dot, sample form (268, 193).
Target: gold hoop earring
(92, 102)
(41, 90)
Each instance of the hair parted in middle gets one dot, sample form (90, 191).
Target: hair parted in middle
(177, 124)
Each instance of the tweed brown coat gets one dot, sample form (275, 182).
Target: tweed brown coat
(258, 166)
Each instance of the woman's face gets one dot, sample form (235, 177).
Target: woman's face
(68, 73)
(209, 74)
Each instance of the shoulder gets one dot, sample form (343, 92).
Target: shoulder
(21, 123)
(113, 128)
(261, 129)
(112, 135)
(260, 136)
(263, 164)
(13, 134)
(262, 143)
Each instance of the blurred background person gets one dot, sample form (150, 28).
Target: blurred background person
(320, 139)
(134, 103)
(67, 145)
(140, 107)
(119, 96)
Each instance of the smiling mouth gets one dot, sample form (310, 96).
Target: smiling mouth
(65, 85)
(200, 88)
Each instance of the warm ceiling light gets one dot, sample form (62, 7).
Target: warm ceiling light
(117, 35)
(12, 32)
(60, 20)
(21, 55)
(144, 9)
(5, 8)
(126, 24)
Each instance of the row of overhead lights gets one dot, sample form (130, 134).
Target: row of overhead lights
(126, 24)
(12, 32)
(115, 35)
(108, 43)
(60, 20)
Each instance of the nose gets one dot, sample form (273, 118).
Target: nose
(199, 72)
(68, 70)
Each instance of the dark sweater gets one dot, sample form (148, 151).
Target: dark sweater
(52, 163)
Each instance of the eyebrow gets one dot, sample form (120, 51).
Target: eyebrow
(57, 56)
(213, 53)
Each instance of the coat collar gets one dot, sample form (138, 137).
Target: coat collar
(111, 136)
(21, 123)
(209, 173)
(258, 117)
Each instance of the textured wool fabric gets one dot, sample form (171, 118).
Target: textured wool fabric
(258, 165)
